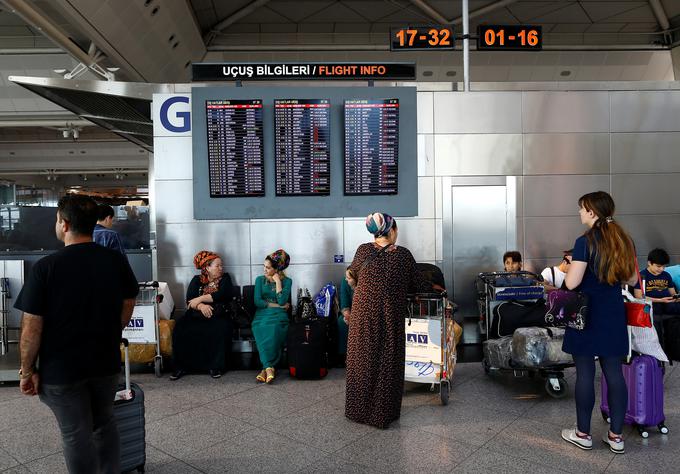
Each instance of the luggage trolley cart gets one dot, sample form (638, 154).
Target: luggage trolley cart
(495, 288)
(430, 342)
(143, 325)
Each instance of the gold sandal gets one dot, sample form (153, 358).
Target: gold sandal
(270, 374)
(262, 376)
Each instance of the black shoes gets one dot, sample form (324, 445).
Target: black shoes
(177, 374)
(216, 374)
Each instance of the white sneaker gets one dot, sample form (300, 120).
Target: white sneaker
(615, 444)
(570, 436)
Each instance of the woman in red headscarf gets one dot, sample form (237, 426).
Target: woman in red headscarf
(202, 338)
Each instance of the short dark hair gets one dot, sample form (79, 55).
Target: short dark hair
(104, 211)
(79, 211)
(659, 257)
(514, 255)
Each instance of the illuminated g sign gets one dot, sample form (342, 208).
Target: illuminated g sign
(184, 117)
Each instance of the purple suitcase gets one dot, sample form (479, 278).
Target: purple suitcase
(644, 378)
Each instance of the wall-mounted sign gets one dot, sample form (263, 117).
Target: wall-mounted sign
(509, 37)
(421, 38)
(382, 71)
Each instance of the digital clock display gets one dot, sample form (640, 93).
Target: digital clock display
(421, 37)
(509, 37)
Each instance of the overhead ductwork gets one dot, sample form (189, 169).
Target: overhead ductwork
(123, 108)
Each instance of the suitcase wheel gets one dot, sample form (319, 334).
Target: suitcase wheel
(643, 431)
(663, 428)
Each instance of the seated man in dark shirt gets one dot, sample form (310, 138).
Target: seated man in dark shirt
(76, 302)
(659, 286)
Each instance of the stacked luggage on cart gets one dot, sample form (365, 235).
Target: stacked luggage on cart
(518, 339)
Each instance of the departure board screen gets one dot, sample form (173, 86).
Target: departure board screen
(235, 151)
(371, 146)
(302, 136)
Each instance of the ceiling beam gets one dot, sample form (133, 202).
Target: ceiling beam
(660, 14)
(231, 19)
(439, 18)
(431, 12)
(484, 10)
(34, 18)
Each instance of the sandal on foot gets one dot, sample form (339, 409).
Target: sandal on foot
(262, 376)
(270, 374)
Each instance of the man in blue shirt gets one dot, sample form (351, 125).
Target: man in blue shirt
(103, 234)
(658, 287)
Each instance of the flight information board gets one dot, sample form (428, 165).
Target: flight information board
(371, 146)
(235, 151)
(302, 150)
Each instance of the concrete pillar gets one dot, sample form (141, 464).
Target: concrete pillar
(675, 59)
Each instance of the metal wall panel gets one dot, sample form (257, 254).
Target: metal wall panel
(559, 112)
(650, 232)
(178, 279)
(425, 155)
(566, 153)
(313, 242)
(426, 197)
(425, 112)
(558, 195)
(645, 152)
(417, 235)
(173, 158)
(182, 241)
(481, 112)
(439, 236)
(14, 270)
(174, 201)
(478, 155)
(312, 277)
(438, 197)
(547, 237)
(645, 111)
(646, 193)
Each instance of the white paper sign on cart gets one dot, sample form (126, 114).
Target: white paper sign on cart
(141, 328)
(423, 350)
(423, 340)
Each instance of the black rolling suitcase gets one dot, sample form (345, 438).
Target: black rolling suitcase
(129, 416)
(308, 348)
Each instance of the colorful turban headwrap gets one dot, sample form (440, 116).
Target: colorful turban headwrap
(201, 261)
(280, 259)
(379, 224)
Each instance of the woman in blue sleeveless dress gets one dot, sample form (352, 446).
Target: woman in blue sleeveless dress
(603, 259)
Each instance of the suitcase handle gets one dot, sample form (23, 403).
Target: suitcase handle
(126, 345)
(148, 284)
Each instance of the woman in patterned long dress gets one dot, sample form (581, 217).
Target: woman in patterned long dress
(376, 346)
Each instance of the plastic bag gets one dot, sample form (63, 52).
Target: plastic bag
(539, 347)
(498, 352)
(323, 301)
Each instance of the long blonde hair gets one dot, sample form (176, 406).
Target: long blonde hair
(611, 246)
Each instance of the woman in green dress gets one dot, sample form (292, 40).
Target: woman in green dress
(270, 325)
(347, 287)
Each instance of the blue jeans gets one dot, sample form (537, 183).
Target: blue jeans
(84, 411)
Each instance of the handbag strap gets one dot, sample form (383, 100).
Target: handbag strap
(371, 258)
(640, 280)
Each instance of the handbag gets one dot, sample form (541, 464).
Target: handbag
(638, 313)
(239, 315)
(567, 309)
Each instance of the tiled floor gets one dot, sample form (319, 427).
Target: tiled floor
(492, 424)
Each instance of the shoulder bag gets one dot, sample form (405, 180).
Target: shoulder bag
(637, 313)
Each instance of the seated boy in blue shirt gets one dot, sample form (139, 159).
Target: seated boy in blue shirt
(659, 286)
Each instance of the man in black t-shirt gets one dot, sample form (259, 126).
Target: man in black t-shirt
(76, 303)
